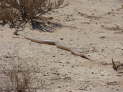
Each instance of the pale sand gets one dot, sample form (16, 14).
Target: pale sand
(95, 32)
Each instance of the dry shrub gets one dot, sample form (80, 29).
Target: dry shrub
(9, 15)
(19, 74)
(18, 78)
(27, 9)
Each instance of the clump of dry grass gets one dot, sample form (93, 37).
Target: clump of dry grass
(9, 15)
(18, 75)
(27, 9)
(19, 79)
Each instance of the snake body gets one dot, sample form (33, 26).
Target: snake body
(59, 45)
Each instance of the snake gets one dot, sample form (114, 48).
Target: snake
(60, 46)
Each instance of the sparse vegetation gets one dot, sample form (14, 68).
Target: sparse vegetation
(19, 79)
(12, 11)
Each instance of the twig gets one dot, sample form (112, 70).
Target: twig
(114, 65)
(117, 67)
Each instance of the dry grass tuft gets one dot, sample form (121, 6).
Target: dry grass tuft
(27, 9)
(19, 79)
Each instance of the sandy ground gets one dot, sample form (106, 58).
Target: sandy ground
(94, 26)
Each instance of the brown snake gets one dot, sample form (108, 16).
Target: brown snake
(59, 45)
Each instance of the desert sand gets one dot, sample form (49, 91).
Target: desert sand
(93, 26)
